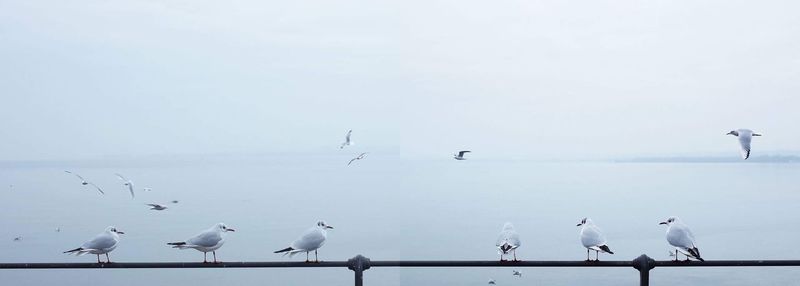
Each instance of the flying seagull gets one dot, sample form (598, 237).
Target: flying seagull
(745, 136)
(127, 183)
(508, 241)
(103, 243)
(84, 182)
(593, 239)
(208, 240)
(362, 156)
(174, 201)
(460, 155)
(517, 273)
(347, 141)
(157, 207)
(492, 282)
(680, 236)
(311, 240)
(18, 238)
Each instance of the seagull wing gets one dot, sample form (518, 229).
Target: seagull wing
(347, 137)
(351, 161)
(461, 153)
(310, 240)
(130, 187)
(591, 236)
(680, 236)
(121, 177)
(79, 176)
(744, 142)
(101, 241)
(207, 238)
(98, 188)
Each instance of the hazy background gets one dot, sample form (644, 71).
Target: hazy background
(237, 110)
(541, 79)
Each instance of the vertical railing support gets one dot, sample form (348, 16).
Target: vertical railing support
(358, 264)
(644, 263)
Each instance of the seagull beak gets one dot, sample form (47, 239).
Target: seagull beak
(230, 229)
(120, 232)
(663, 222)
(580, 224)
(328, 227)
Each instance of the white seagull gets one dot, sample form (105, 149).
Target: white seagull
(103, 243)
(362, 156)
(84, 182)
(508, 241)
(516, 273)
(208, 240)
(492, 282)
(460, 155)
(311, 240)
(127, 183)
(680, 236)
(593, 239)
(157, 207)
(745, 136)
(347, 141)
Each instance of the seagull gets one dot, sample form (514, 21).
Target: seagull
(508, 241)
(593, 239)
(745, 136)
(174, 201)
(347, 141)
(517, 273)
(127, 183)
(460, 155)
(157, 207)
(362, 156)
(58, 229)
(84, 182)
(680, 236)
(18, 238)
(491, 282)
(208, 240)
(147, 189)
(311, 239)
(101, 244)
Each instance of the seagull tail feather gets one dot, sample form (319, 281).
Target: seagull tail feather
(74, 250)
(285, 250)
(606, 249)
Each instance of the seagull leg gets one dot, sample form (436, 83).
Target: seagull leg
(108, 260)
(596, 255)
(215, 256)
(316, 257)
(307, 257)
(515, 255)
(205, 257)
(587, 255)
(676, 255)
(98, 258)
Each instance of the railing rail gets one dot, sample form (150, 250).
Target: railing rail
(360, 263)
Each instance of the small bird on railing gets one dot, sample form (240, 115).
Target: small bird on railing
(593, 239)
(311, 240)
(103, 243)
(680, 236)
(208, 240)
(508, 241)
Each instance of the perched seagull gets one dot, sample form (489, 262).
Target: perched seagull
(508, 241)
(680, 236)
(745, 136)
(347, 141)
(157, 207)
(517, 273)
(362, 156)
(492, 282)
(127, 183)
(101, 244)
(593, 239)
(311, 240)
(84, 182)
(460, 155)
(208, 240)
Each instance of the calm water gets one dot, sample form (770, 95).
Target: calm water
(389, 208)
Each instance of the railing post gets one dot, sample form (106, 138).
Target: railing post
(644, 263)
(358, 264)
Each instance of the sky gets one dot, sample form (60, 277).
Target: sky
(535, 79)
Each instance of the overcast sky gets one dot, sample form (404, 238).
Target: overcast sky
(86, 79)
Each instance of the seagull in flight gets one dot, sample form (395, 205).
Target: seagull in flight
(362, 156)
(174, 201)
(208, 240)
(347, 141)
(103, 243)
(311, 240)
(593, 239)
(680, 236)
(745, 136)
(84, 182)
(460, 155)
(157, 207)
(508, 241)
(18, 238)
(127, 183)
(517, 273)
(492, 282)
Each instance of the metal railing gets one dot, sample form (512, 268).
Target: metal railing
(360, 263)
